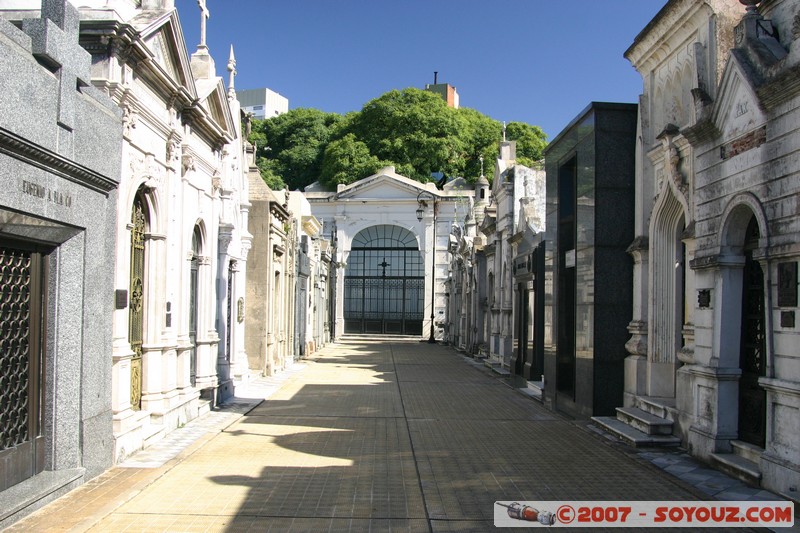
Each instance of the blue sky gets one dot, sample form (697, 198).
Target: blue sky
(534, 61)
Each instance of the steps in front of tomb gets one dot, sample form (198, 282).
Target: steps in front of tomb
(152, 433)
(660, 407)
(633, 436)
(648, 423)
(644, 421)
(534, 389)
(742, 463)
(496, 367)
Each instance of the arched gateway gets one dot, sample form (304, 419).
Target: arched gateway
(384, 283)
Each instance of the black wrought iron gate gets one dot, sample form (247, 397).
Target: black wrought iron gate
(384, 284)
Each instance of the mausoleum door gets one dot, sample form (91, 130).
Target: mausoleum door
(193, 289)
(752, 354)
(384, 283)
(229, 313)
(137, 304)
(520, 328)
(23, 278)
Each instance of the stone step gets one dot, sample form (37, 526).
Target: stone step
(500, 370)
(536, 388)
(737, 466)
(644, 421)
(203, 406)
(661, 407)
(633, 436)
(152, 433)
(751, 452)
(533, 389)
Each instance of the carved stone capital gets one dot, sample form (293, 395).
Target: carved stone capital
(187, 164)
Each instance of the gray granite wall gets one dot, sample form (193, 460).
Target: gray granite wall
(60, 163)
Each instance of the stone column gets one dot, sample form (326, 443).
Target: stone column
(155, 306)
(636, 362)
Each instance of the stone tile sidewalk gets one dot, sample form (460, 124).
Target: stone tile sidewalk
(370, 436)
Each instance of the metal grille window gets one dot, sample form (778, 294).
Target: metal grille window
(384, 282)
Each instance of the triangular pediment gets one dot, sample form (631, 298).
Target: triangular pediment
(162, 34)
(213, 97)
(384, 185)
(737, 110)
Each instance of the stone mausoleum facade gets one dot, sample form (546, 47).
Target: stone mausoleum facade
(391, 236)
(60, 168)
(714, 341)
(123, 238)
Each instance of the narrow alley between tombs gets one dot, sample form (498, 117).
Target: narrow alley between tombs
(372, 435)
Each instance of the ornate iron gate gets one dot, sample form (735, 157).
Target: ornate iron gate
(229, 313)
(136, 306)
(752, 354)
(193, 287)
(22, 304)
(384, 283)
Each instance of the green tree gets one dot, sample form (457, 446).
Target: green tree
(413, 129)
(481, 135)
(268, 174)
(347, 160)
(531, 142)
(295, 144)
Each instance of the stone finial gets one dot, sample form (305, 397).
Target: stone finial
(231, 74)
(504, 131)
(751, 6)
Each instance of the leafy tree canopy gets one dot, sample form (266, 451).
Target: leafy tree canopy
(412, 129)
(531, 142)
(292, 145)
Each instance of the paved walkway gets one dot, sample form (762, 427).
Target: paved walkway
(367, 436)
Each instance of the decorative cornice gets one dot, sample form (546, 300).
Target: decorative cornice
(112, 38)
(278, 211)
(716, 261)
(20, 148)
(780, 88)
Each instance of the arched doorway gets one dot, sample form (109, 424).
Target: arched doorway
(752, 351)
(384, 283)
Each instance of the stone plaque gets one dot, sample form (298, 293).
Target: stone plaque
(787, 284)
(121, 298)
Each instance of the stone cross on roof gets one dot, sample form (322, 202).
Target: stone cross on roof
(54, 41)
(205, 14)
